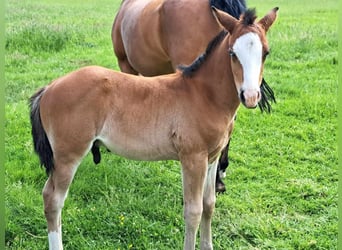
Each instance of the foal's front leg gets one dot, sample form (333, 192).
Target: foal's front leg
(209, 199)
(194, 169)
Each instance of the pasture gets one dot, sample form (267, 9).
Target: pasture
(282, 179)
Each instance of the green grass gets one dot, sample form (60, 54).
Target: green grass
(282, 181)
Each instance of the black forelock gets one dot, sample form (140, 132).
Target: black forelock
(249, 17)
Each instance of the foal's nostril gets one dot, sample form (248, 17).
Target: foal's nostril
(259, 95)
(242, 96)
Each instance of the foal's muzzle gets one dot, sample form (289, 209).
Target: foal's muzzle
(250, 98)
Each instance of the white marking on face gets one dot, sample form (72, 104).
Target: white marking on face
(248, 49)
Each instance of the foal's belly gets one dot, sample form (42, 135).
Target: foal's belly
(140, 148)
(146, 153)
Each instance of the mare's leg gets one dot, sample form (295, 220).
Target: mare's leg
(209, 200)
(221, 168)
(194, 170)
(223, 163)
(54, 195)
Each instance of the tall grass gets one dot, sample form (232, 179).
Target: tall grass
(282, 181)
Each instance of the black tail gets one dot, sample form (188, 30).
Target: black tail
(40, 141)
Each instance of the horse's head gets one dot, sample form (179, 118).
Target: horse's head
(247, 48)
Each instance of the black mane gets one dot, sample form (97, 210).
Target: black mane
(267, 97)
(233, 7)
(188, 71)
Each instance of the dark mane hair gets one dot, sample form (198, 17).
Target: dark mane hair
(233, 7)
(249, 17)
(267, 97)
(188, 71)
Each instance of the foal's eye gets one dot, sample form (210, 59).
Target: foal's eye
(231, 53)
(266, 53)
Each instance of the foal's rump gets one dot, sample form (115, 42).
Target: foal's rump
(62, 121)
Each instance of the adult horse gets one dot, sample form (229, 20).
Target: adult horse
(137, 117)
(155, 37)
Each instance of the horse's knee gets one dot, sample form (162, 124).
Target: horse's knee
(209, 206)
(193, 214)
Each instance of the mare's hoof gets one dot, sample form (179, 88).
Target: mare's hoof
(220, 187)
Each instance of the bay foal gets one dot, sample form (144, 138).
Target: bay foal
(183, 116)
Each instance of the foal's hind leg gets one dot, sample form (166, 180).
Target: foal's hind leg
(54, 194)
(209, 200)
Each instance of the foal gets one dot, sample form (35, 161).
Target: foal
(183, 116)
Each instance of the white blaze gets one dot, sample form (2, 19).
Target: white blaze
(248, 49)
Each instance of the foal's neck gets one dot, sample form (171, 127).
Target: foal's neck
(216, 81)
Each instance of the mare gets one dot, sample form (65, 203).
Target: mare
(155, 37)
(182, 116)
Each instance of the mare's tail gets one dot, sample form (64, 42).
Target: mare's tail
(40, 141)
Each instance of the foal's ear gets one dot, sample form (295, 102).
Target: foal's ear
(268, 20)
(225, 19)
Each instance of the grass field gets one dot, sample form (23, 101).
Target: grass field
(282, 181)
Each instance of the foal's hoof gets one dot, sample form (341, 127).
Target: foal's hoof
(220, 187)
